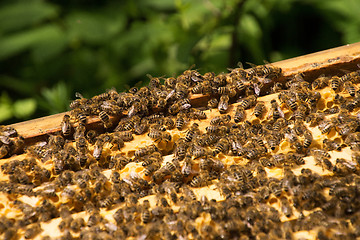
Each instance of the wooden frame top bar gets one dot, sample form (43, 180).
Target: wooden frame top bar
(330, 62)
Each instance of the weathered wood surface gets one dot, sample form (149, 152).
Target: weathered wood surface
(330, 61)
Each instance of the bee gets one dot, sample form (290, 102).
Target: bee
(180, 121)
(126, 136)
(221, 146)
(197, 114)
(199, 181)
(169, 123)
(239, 114)
(292, 104)
(325, 126)
(272, 141)
(320, 82)
(350, 88)
(65, 125)
(32, 231)
(180, 105)
(193, 130)
(212, 103)
(269, 71)
(308, 138)
(265, 162)
(278, 160)
(330, 145)
(170, 82)
(4, 151)
(320, 153)
(335, 82)
(344, 167)
(259, 109)
(145, 216)
(276, 111)
(223, 103)
(81, 117)
(275, 188)
(145, 151)
(99, 143)
(285, 207)
(240, 85)
(159, 136)
(80, 101)
(150, 169)
(220, 120)
(347, 128)
(248, 102)
(140, 127)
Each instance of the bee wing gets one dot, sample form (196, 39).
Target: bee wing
(257, 89)
(281, 112)
(265, 80)
(78, 95)
(185, 106)
(171, 93)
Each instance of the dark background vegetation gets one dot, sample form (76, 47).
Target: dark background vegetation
(51, 49)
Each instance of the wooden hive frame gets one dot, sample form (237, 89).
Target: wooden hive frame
(327, 62)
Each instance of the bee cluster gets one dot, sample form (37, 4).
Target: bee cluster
(10, 142)
(88, 171)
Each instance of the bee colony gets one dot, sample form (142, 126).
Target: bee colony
(255, 158)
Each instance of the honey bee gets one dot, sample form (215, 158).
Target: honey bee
(265, 162)
(335, 82)
(180, 105)
(239, 114)
(223, 103)
(221, 146)
(212, 103)
(330, 145)
(268, 71)
(65, 125)
(169, 123)
(145, 151)
(272, 141)
(200, 181)
(276, 111)
(308, 138)
(320, 153)
(32, 231)
(197, 114)
(350, 88)
(170, 82)
(275, 188)
(98, 147)
(220, 120)
(278, 160)
(285, 207)
(248, 102)
(325, 126)
(344, 167)
(4, 151)
(193, 130)
(321, 82)
(259, 109)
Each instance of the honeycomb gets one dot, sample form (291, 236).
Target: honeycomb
(240, 166)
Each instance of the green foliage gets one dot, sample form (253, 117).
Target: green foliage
(51, 49)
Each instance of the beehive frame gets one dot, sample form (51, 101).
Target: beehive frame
(312, 65)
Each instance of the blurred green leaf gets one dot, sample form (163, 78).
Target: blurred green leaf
(5, 107)
(93, 28)
(25, 13)
(55, 99)
(34, 38)
(24, 108)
